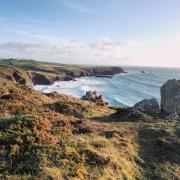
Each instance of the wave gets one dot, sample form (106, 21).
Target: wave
(122, 90)
(144, 82)
(85, 88)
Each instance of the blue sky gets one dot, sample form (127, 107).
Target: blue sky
(118, 32)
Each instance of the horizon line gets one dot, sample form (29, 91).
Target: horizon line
(114, 65)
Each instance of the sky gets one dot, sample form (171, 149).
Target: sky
(102, 32)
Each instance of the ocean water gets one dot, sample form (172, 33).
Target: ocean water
(122, 90)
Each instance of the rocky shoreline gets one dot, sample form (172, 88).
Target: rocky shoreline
(148, 109)
(28, 74)
(36, 73)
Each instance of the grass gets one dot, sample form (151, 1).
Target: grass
(45, 66)
(133, 154)
(160, 149)
(56, 136)
(30, 147)
(30, 72)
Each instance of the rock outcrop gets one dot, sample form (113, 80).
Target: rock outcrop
(38, 78)
(16, 75)
(145, 110)
(148, 106)
(40, 73)
(173, 117)
(170, 97)
(133, 114)
(93, 96)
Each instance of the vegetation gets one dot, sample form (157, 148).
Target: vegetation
(30, 72)
(54, 136)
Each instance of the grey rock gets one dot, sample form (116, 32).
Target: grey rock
(148, 106)
(38, 78)
(173, 117)
(135, 114)
(140, 161)
(170, 97)
(93, 96)
(144, 110)
(69, 78)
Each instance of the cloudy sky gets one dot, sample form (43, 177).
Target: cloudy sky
(106, 32)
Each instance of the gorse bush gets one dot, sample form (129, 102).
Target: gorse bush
(18, 146)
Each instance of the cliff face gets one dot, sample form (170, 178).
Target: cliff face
(16, 75)
(37, 73)
(95, 71)
(170, 97)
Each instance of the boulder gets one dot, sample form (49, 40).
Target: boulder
(137, 115)
(148, 106)
(143, 72)
(173, 117)
(69, 78)
(131, 114)
(93, 96)
(170, 97)
(145, 110)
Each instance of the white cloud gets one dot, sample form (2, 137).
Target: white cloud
(164, 53)
(107, 43)
(102, 51)
(28, 37)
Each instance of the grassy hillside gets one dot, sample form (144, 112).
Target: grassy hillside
(52, 67)
(35, 65)
(54, 136)
(31, 72)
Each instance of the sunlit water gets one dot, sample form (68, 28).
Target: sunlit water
(122, 90)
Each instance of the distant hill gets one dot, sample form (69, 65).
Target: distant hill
(47, 73)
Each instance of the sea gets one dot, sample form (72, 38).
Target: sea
(123, 90)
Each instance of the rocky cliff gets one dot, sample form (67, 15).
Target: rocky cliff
(40, 73)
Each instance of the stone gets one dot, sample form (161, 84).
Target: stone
(170, 97)
(93, 96)
(144, 110)
(38, 78)
(137, 115)
(143, 72)
(173, 117)
(69, 78)
(140, 161)
(148, 106)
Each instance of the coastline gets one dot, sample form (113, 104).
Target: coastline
(122, 90)
(78, 134)
(38, 73)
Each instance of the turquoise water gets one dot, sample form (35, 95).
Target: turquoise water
(122, 90)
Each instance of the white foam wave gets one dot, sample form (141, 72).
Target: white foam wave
(85, 88)
(122, 90)
(76, 88)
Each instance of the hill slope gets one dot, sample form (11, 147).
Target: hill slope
(34, 72)
(54, 136)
